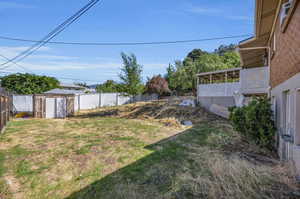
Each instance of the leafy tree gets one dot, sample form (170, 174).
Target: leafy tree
(131, 75)
(158, 85)
(196, 54)
(110, 86)
(224, 49)
(182, 75)
(28, 83)
(184, 78)
(170, 71)
(231, 59)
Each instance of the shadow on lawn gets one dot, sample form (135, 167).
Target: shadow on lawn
(153, 176)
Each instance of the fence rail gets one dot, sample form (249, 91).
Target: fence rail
(5, 108)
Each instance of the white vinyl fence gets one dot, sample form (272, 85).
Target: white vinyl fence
(24, 103)
(92, 101)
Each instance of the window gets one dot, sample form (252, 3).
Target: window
(285, 11)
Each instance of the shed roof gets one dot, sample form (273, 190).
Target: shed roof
(68, 85)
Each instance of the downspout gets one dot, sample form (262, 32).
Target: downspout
(269, 62)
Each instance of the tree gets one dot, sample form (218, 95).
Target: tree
(182, 75)
(110, 86)
(196, 54)
(225, 48)
(28, 83)
(131, 75)
(231, 59)
(158, 85)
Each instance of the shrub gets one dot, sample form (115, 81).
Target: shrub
(158, 85)
(255, 121)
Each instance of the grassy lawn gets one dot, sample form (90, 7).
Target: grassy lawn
(135, 152)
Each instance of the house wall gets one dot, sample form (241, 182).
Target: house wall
(292, 86)
(285, 62)
(285, 78)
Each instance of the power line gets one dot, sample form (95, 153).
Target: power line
(20, 66)
(126, 43)
(53, 33)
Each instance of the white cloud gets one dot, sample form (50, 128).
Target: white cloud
(13, 5)
(202, 10)
(10, 52)
(242, 18)
(66, 65)
(218, 12)
(53, 57)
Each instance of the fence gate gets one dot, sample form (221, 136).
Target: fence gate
(56, 108)
(39, 104)
(61, 107)
(50, 107)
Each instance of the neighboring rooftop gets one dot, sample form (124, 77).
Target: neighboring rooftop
(65, 91)
(71, 86)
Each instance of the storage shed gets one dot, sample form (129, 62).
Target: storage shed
(53, 105)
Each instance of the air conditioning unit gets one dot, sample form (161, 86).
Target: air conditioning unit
(285, 10)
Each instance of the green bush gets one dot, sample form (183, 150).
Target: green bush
(255, 121)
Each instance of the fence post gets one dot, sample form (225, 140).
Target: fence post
(117, 99)
(1, 107)
(100, 99)
(78, 102)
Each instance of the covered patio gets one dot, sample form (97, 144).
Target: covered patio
(219, 83)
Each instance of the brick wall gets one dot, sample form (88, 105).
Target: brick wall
(286, 60)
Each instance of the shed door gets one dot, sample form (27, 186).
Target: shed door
(50, 108)
(61, 107)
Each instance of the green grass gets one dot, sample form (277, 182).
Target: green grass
(2, 167)
(109, 157)
(23, 169)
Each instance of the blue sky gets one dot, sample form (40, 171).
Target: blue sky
(118, 21)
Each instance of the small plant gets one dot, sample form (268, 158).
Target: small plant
(255, 121)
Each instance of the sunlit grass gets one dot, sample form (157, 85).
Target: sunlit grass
(94, 156)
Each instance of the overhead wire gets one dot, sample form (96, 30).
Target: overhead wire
(127, 43)
(53, 33)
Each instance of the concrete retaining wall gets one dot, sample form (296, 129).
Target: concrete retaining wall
(207, 102)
